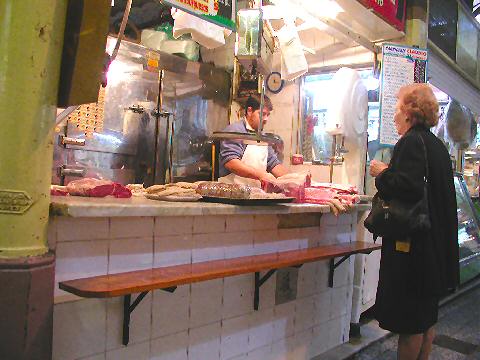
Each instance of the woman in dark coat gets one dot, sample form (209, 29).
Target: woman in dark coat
(416, 271)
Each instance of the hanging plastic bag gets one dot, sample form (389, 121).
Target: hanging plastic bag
(294, 63)
(206, 34)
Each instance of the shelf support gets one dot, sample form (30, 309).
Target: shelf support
(129, 306)
(259, 281)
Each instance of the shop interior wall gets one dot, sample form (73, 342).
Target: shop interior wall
(286, 118)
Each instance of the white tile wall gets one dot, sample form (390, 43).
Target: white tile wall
(320, 339)
(239, 357)
(310, 237)
(204, 342)
(303, 314)
(172, 347)
(173, 225)
(267, 292)
(79, 329)
(209, 224)
(237, 223)
(207, 320)
(307, 280)
(207, 247)
(238, 244)
(237, 295)
(206, 303)
(170, 312)
(322, 275)
(137, 352)
(140, 321)
(302, 345)
(130, 254)
(289, 239)
(335, 332)
(342, 272)
(264, 241)
(234, 337)
(340, 297)
(173, 250)
(323, 304)
(263, 353)
(129, 227)
(95, 357)
(328, 219)
(284, 324)
(344, 234)
(69, 229)
(79, 259)
(345, 219)
(283, 349)
(260, 332)
(265, 222)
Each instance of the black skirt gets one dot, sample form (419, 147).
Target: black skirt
(401, 305)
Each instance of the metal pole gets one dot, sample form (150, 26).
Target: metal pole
(29, 75)
(262, 103)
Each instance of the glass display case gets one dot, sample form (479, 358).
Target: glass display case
(468, 232)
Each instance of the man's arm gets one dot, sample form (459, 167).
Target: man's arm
(237, 167)
(279, 170)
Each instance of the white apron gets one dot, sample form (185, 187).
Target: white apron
(255, 156)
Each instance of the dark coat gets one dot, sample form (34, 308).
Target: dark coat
(432, 268)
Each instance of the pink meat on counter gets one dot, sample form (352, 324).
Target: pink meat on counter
(97, 188)
(58, 190)
(322, 195)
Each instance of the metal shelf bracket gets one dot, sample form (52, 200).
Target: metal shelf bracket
(129, 306)
(259, 281)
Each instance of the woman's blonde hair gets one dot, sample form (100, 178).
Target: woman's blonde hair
(419, 104)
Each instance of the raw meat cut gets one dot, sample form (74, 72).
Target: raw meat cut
(97, 188)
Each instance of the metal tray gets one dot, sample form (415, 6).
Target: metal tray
(248, 202)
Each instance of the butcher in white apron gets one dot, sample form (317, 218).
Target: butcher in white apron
(248, 163)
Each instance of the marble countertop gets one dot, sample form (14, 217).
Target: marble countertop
(111, 207)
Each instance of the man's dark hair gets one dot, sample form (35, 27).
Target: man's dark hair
(253, 101)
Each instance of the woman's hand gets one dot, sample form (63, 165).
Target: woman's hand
(376, 167)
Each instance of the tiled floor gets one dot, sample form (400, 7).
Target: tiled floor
(459, 319)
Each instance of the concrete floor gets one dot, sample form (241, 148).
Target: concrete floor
(458, 334)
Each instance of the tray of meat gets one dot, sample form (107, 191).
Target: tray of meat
(249, 202)
(236, 194)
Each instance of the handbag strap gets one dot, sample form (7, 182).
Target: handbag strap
(426, 158)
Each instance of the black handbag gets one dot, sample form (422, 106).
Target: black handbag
(398, 218)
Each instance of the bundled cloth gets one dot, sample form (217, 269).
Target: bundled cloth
(339, 197)
(205, 33)
(97, 188)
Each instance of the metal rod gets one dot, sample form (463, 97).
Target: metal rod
(256, 295)
(332, 157)
(213, 160)
(262, 103)
(64, 114)
(157, 119)
(333, 266)
(331, 272)
(121, 31)
(137, 300)
(126, 319)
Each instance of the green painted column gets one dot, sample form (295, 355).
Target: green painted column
(31, 39)
(416, 32)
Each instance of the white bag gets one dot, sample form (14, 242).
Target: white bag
(294, 63)
(206, 34)
(153, 39)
